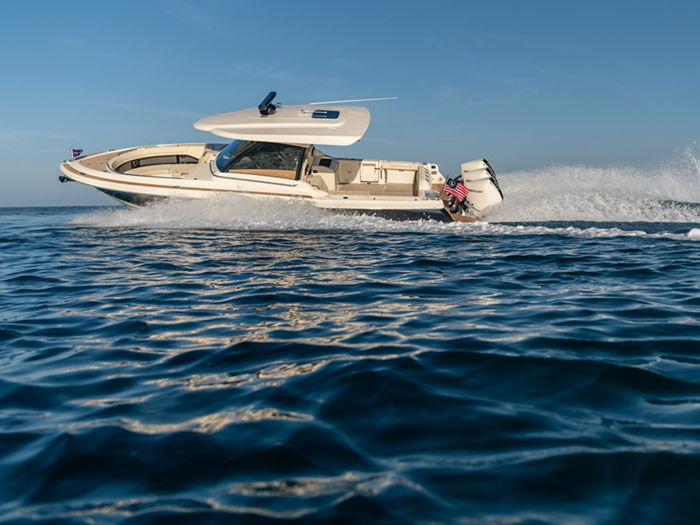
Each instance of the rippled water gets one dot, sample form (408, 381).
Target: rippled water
(243, 360)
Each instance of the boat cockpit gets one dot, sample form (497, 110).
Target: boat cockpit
(261, 158)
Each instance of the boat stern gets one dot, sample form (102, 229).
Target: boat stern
(481, 188)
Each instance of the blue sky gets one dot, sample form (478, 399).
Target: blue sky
(528, 84)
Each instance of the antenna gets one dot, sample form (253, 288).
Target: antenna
(353, 100)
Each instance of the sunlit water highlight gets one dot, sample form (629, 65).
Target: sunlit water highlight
(249, 360)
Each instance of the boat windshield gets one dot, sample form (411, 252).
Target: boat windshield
(229, 153)
(260, 158)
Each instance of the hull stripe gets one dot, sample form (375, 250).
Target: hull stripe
(73, 170)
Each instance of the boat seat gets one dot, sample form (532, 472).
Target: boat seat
(323, 181)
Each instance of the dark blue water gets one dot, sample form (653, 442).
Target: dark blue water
(228, 363)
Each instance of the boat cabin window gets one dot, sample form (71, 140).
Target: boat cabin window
(261, 158)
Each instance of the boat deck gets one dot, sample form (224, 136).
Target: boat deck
(99, 161)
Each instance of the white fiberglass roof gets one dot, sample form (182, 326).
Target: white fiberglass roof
(307, 124)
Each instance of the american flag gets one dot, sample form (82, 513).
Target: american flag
(455, 188)
(75, 153)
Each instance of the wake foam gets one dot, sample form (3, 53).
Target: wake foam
(236, 212)
(241, 213)
(666, 193)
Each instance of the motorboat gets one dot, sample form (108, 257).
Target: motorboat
(274, 154)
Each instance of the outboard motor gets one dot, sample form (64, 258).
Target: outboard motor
(480, 178)
(476, 188)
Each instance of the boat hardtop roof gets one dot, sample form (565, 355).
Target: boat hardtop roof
(329, 125)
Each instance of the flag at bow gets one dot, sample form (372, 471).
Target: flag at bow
(455, 188)
(75, 153)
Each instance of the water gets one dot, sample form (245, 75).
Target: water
(240, 360)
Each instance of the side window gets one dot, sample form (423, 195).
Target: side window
(276, 160)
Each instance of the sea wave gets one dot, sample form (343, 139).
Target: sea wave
(668, 192)
(159, 365)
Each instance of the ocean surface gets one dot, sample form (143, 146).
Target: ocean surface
(241, 360)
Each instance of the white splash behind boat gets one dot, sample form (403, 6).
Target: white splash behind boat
(274, 154)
